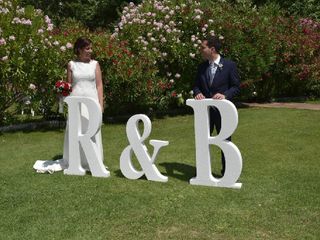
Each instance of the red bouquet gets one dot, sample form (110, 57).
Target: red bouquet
(63, 88)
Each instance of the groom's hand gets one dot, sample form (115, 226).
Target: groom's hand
(219, 96)
(199, 96)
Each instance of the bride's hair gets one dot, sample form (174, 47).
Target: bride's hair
(81, 43)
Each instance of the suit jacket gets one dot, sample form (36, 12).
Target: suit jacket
(226, 80)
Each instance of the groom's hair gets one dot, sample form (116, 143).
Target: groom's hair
(213, 41)
(80, 43)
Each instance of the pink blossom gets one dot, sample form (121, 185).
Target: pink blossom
(2, 41)
(192, 55)
(69, 45)
(20, 10)
(16, 20)
(47, 19)
(12, 38)
(40, 31)
(63, 48)
(26, 22)
(32, 86)
(50, 27)
(5, 58)
(177, 75)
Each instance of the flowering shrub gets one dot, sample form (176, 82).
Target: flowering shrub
(258, 40)
(301, 53)
(151, 58)
(167, 33)
(33, 56)
(131, 81)
(21, 33)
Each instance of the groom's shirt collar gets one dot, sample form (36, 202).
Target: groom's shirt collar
(217, 61)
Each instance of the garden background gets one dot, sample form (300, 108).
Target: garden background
(148, 50)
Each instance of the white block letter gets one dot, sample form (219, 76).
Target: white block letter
(77, 138)
(139, 148)
(233, 159)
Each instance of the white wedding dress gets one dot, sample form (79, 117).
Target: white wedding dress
(83, 84)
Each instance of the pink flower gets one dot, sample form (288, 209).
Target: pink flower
(12, 38)
(32, 86)
(50, 27)
(69, 45)
(2, 41)
(47, 19)
(5, 58)
(63, 48)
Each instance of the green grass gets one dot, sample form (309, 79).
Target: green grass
(279, 198)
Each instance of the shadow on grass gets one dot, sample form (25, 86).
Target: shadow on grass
(56, 157)
(176, 170)
(179, 171)
(119, 174)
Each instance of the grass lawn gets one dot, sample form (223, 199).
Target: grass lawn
(279, 198)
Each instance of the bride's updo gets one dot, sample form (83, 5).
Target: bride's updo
(81, 43)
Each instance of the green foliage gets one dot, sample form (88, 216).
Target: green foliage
(92, 13)
(23, 35)
(301, 8)
(131, 80)
(262, 41)
(169, 33)
(33, 56)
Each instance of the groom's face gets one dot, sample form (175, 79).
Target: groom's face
(206, 52)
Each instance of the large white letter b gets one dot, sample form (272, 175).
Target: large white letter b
(229, 122)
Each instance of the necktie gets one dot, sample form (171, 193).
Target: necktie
(212, 72)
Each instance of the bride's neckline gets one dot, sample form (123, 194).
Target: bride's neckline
(80, 61)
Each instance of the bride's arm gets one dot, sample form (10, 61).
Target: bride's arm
(69, 73)
(99, 85)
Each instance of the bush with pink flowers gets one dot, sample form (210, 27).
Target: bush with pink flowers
(258, 40)
(33, 56)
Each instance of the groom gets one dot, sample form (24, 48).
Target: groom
(216, 78)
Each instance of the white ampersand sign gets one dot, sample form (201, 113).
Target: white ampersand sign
(139, 148)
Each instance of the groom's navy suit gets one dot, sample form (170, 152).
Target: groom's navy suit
(226, 81)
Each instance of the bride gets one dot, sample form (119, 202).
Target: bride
(85, 76)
